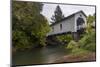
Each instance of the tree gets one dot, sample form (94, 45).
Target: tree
(90, 20)
(58, 15)
(29, 27)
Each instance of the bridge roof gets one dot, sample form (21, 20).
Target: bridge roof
(69, 17)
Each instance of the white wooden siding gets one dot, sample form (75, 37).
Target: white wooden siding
(67, 25)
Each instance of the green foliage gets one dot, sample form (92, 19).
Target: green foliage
(65, 38)
(91, 47)
(72, 45)
(79, 51)
(20, 40)
(58, 15)
(88, 42)
(90, 19)
(28, 25)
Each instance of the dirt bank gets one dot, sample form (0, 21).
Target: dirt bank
(77, 58)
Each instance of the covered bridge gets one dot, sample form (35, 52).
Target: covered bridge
(73, 23)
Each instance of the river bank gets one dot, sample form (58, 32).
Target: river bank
(85, 57)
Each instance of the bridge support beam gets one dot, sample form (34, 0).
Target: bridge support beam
(76, 36)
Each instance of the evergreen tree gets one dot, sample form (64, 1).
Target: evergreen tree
(58, 15)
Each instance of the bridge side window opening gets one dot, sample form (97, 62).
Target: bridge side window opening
(60, 26)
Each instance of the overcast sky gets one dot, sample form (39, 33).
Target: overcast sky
(48, 9)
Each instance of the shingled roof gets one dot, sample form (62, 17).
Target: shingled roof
(68, 17)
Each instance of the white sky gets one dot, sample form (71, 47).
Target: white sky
(48, 9)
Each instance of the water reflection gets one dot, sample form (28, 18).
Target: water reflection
(39, 56)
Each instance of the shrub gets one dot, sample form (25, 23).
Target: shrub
(79, 51)
(88, 42)
(84, 41)
(72, 45)
(65, 38)
(91, 47)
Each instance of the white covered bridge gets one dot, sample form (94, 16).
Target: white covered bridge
(72, 23)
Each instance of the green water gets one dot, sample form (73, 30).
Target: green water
(39, 56)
